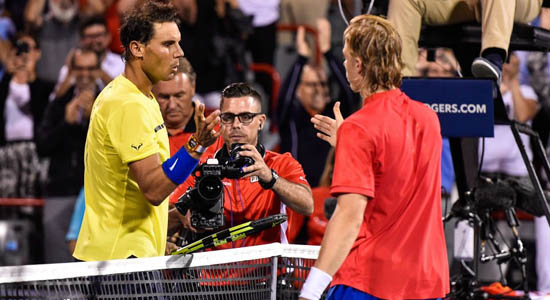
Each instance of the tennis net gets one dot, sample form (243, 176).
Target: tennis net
(273, 271)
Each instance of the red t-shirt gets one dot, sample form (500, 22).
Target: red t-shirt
(246, 200)
(390, 151)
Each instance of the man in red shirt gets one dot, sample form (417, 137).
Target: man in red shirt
(276, 182)
(175, 98)
(385, 239)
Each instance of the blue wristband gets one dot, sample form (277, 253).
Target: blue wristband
(179, 166)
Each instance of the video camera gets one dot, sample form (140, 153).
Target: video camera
(498, 192)
(205, 199)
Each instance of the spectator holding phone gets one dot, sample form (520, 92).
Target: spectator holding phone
(23, 98)
(21, 93)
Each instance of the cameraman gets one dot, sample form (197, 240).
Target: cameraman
(272, 183)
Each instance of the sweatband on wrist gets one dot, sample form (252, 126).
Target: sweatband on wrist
(179, 166)
(316, 283)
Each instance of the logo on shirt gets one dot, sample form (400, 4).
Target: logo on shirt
(137, 147)
(159, 127)
(302, 178)
(254, 179)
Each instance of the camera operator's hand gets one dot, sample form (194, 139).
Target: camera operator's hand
(259, 168)
(170, 247)
(205, 134)
(177, 221)
(173, 238)
(186, 222)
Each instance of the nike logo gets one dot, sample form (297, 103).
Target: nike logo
(173, 165)
(137, 147)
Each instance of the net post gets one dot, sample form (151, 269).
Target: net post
(274, 277)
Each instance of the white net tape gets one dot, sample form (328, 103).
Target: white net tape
(273, 271)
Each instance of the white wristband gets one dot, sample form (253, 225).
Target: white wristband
(316, 283)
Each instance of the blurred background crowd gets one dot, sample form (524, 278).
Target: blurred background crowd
(57, 55)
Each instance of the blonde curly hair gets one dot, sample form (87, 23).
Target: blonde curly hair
(378, 45)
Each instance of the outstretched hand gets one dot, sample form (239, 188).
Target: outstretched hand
(328, 126)
(206, 134)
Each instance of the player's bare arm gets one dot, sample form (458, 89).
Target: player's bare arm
(342, 230)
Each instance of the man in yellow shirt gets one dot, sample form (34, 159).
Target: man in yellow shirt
(128, 171)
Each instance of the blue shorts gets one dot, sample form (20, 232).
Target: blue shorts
(346, 292)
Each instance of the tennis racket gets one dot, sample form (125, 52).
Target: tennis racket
(232, 234)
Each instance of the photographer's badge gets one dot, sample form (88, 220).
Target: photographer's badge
(254, 179)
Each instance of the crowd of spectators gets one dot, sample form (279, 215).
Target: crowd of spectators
(56, 56)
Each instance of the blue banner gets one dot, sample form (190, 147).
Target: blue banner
(464, 106)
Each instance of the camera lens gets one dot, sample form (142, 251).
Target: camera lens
(237, 159)
(235, 149)
(210, 188)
